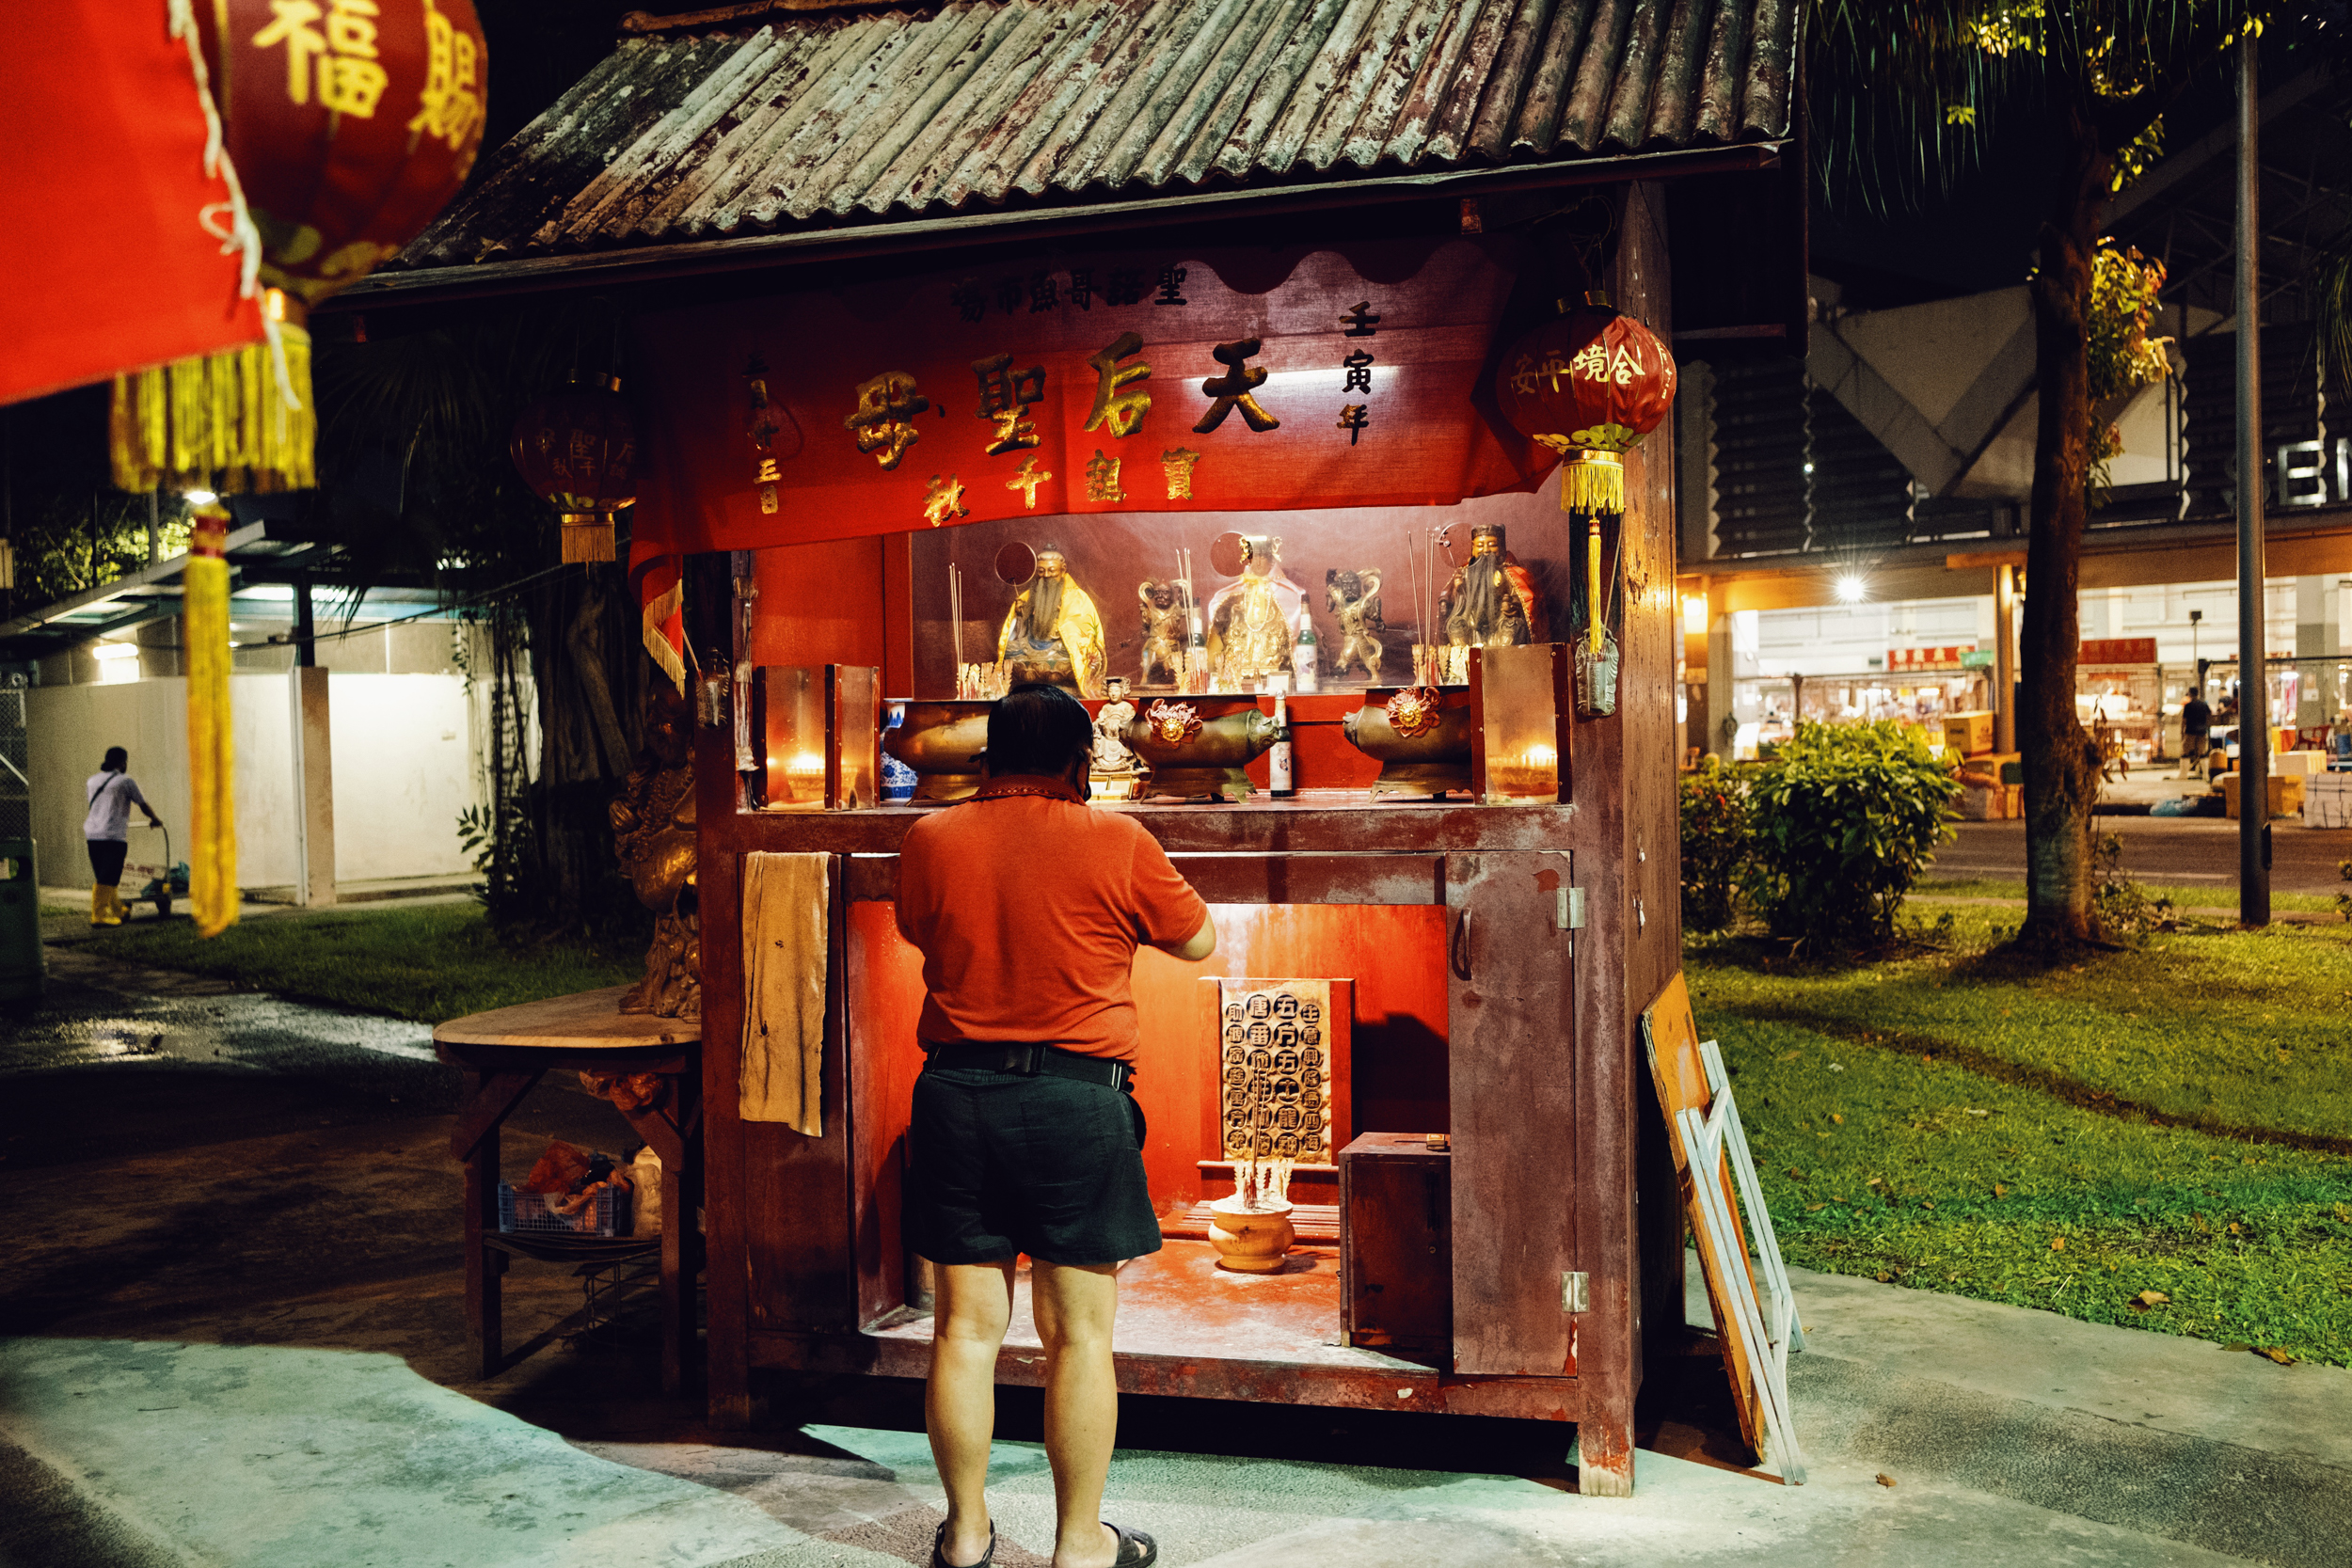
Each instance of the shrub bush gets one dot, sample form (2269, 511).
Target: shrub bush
(1841, 824)
(1714, 844)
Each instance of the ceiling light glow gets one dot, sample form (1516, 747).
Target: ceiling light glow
(1852, 590)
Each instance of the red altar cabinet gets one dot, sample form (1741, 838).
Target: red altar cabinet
(1165, 468)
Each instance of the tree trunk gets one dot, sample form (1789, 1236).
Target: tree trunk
(585, 657)
(2061, 763)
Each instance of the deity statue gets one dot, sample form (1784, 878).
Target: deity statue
(1354, 600)
(1111, 754)
(1250, 619)
(1491, 602)
(1052, 633)
(653, 837)
(1162, 631)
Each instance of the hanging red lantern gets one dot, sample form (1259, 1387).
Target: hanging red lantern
(350, 124)
(1589, 383)
(577, 449)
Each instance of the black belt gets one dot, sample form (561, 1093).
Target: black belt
(1030, 1061)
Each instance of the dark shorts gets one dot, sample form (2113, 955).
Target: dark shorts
(999, 1163)
(106, 860)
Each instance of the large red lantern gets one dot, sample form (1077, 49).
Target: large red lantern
(577, 449)
(1589, 383)
(350, 124)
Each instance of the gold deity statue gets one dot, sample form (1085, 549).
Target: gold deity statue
(1052, 632)
(1491, 602)
(1250, 620)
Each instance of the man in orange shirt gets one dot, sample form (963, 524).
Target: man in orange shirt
(1028, 908)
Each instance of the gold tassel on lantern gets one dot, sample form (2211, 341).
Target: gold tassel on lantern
(212, 820)
(587, 536)
(227, 422)
(1591, 479)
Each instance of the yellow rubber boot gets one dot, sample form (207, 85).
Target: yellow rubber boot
(97, 905)
(111, 911)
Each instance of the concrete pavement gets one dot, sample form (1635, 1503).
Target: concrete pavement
(232, 1288)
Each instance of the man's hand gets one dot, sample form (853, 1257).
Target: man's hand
(1200, 944)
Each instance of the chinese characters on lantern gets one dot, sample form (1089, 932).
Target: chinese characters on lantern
(340, 57)
(448, 107)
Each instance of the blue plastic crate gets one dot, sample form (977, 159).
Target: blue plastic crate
(607, 1214)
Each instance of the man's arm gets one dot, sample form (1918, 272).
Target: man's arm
(1198, 946)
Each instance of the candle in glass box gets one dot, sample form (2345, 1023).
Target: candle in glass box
(1533, 774)
(804, 777)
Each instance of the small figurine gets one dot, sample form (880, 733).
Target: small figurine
(1111, 754)
(1052, 632)
(1491, 602)
(1162, 631)
(1354, 600)
(1250, 619)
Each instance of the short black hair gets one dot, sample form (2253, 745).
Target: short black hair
(1036, 728)
(116, 760)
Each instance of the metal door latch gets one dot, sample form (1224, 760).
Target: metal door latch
(1575, 1293)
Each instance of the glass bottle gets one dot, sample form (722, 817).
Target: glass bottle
(1279, 782)
(1305, 655)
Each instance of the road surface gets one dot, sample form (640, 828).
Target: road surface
(2169, 851)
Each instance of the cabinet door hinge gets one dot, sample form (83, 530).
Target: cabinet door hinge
(1575, 1293)
(1569, 913)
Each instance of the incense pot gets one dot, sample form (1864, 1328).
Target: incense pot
(1420, 740)
(1199, 748)
(1251, 1241)
(942, 742)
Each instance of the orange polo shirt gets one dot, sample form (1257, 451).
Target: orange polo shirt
(1028, 906)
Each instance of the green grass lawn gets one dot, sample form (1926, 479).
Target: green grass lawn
(2213, 896)
(2176, 1119)
(428, 963)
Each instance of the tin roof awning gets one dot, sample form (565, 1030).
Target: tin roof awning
(149, 593)
(748, 134)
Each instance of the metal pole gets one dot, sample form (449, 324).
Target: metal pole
(2253, 689)
(2005, 659)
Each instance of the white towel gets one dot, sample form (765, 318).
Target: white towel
(784, 919)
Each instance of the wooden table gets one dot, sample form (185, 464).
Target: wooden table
(503, 1053)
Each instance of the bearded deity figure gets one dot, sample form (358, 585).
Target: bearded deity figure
(1250, 619)
(653, 837)
(1162, 608)
(1354, 600)
(1052, 633)
(1491, 602)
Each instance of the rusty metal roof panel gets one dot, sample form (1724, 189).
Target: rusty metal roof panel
(748, 123)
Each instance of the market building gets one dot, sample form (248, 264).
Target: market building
(1853, 519)
(981, 339)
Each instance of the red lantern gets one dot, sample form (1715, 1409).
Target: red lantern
(1588, 384)
(577, 450)
(351, 123)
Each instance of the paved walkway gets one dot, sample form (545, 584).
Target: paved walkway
(237, 1340)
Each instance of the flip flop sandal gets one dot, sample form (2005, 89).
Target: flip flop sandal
(939, 1547)
(1136, 1549)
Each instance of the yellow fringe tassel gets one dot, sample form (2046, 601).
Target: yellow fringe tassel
(587, 536)
(1593, 482)
(217, 422)
(213, 825)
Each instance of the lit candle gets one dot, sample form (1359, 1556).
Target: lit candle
(804, 776)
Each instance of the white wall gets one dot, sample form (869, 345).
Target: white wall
(72, 726)
(402, 772)
(403, 768)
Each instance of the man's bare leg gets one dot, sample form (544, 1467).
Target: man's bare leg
(1075, 1306)
(974, 1306)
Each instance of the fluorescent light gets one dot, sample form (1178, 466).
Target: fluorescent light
(202, 498)
(105, 650)
(1695, 614)
(1852, 589)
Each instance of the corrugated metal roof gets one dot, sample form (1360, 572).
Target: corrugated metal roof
(817, 120)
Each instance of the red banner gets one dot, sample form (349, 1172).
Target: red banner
(2118, 650)
(1081, 381)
